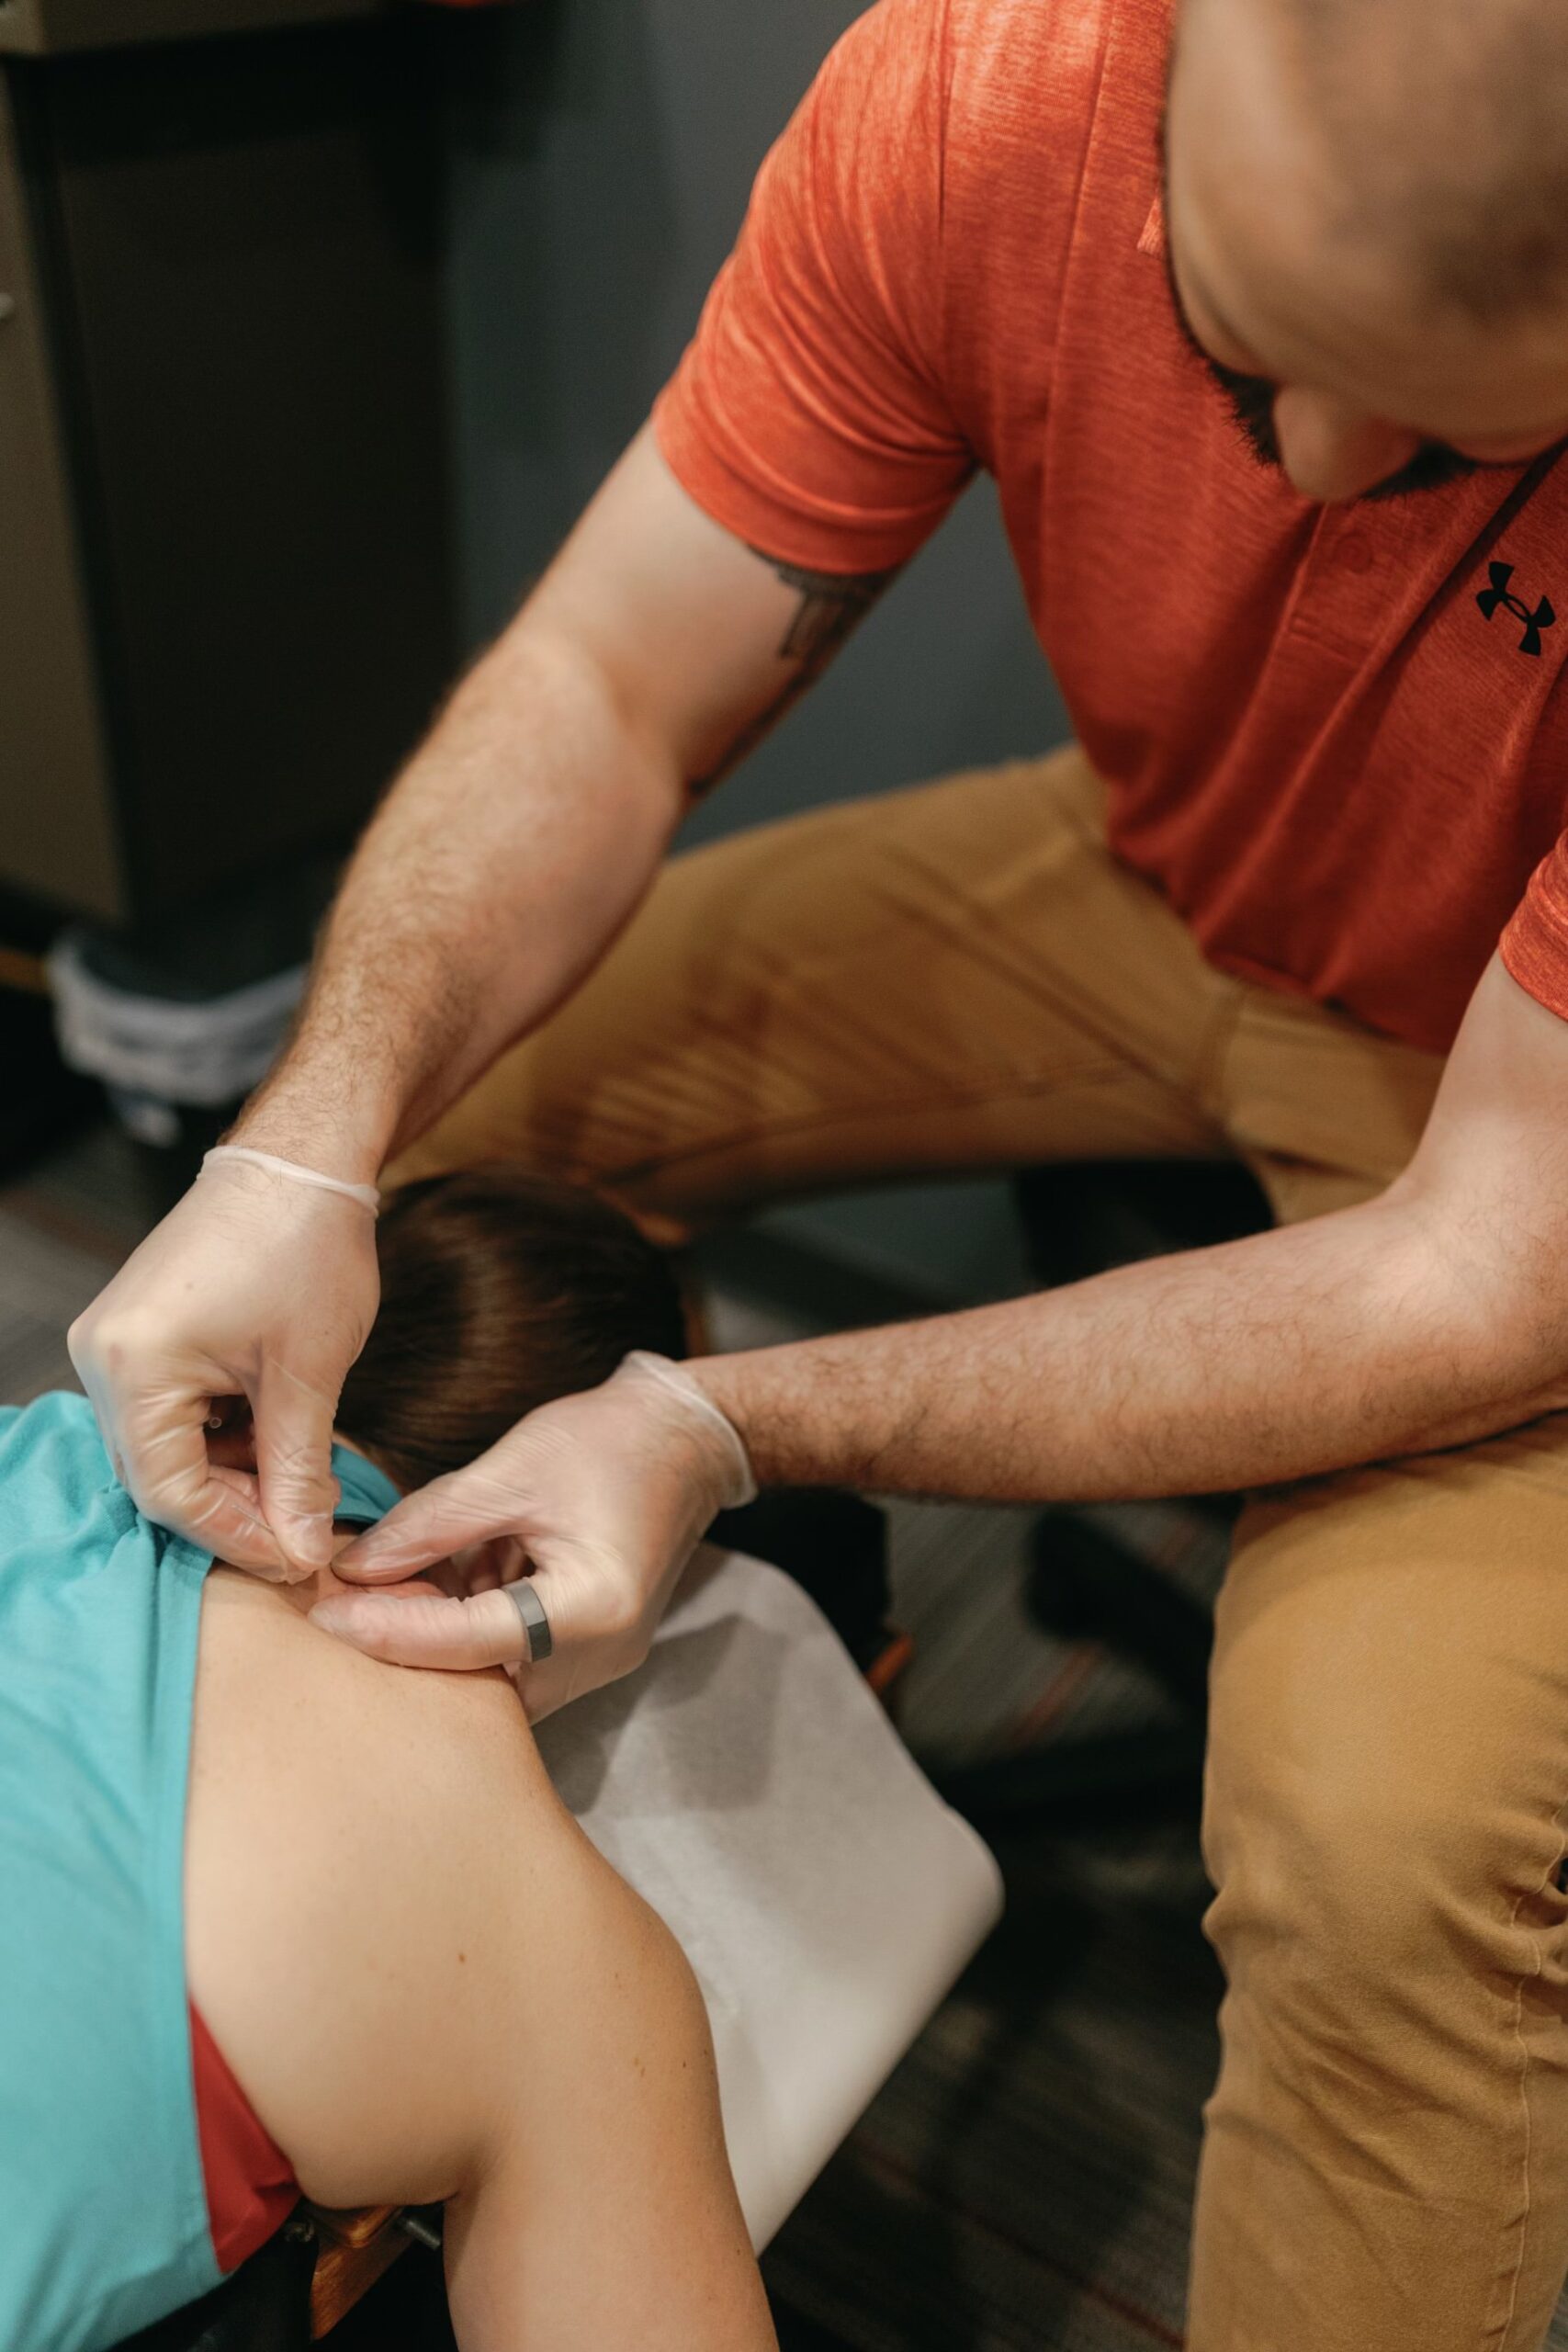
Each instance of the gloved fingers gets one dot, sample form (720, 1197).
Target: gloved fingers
(413, 1626)
(225, 1522)
(545, 1689)
(442, 1519)
(244, 1272)
(573, 1668)
(600, 1626)
(246, 1488)
(243, 1485)
(163, 1464)
(293, 1418)
(479, 1568)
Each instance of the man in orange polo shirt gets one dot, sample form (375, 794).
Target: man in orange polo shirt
(1263, 333)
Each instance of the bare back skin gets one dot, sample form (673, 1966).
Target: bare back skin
(430, 1986)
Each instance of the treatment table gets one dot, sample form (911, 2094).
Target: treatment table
(750, 1786)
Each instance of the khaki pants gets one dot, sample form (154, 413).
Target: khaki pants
(960, 977)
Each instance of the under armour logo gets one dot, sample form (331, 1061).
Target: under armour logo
(1489, 598)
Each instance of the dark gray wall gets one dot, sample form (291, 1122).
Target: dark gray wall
(602, 153)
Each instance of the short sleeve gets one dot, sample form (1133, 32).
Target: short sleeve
(809, 415)
(1534, 947)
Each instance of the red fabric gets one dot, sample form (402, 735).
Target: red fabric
(251, 2188)
(1320, 749)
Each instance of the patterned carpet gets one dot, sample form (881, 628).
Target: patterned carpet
(1024, 2180)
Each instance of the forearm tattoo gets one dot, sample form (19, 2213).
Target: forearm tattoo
(832, 605)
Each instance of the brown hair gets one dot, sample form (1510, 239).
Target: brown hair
(499, 1290)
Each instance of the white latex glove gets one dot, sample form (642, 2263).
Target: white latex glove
(252, 1286)
(601, 1496)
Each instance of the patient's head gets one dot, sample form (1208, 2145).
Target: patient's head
(498, 1291)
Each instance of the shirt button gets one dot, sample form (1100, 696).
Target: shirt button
(1356, 552)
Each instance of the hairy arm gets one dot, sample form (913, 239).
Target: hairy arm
(430, 1986)
(1433, 1315)
(654, 653)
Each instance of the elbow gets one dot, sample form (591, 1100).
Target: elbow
(547, 682)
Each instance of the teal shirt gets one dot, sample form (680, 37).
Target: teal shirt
(103, 2212)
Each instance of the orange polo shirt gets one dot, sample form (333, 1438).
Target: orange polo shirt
(1336, 739)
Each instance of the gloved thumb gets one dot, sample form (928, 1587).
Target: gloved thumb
(294, 1466)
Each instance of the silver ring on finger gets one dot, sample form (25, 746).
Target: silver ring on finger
(537, 1631)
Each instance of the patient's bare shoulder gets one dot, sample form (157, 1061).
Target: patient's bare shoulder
(252, 1630)
(433, 1987)
(366, 1845)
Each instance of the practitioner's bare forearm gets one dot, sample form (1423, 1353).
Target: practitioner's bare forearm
(1432, 1315)
(1267, 1358)
(507, 856)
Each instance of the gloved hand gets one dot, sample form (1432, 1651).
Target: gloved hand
(252, 1285)
(604, 1493)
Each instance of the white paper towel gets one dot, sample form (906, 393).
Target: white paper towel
(748, 1783)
